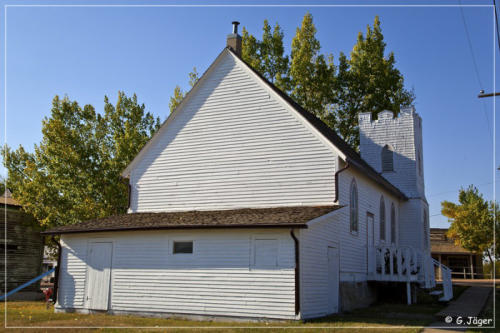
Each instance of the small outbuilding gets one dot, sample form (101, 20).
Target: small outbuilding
(464, 264)
(24, 246)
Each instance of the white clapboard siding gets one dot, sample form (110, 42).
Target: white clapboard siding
(233, 144)
(72, 274)
(219, 278)
(334, 230)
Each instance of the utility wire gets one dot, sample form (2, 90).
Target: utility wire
(469, 42)
(471, 49)
(496, 23)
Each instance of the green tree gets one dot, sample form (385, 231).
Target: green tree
(311, 73)
(267, 56)
(250, 50)
(367, 82)
(2, 185)
(179, 95)
(274, 62)
(73, 174)
(176, 98)
(472, 221)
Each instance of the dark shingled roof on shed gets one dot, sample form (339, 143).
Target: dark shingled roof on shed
(282, 217)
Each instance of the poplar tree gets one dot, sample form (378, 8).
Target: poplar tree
(179, 95)
(250, 50)
(311, 73)
(472, 221)
(267, 56)
(74, 173)
(272, 54)
(367, 82)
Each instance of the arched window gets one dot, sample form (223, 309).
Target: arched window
(354, 207)
(382, 218)
(387, 159)
(393, 224)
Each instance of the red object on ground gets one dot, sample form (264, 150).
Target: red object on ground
(48, 292)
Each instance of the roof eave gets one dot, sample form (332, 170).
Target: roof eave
(179, 227)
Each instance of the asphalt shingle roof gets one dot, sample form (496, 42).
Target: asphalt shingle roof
(281, 217)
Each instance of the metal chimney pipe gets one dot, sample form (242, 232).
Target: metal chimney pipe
(235, 27)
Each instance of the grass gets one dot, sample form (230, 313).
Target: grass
(377, 318)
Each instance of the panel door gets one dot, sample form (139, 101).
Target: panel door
(98, 276)
(333, 279)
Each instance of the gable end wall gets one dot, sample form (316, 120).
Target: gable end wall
(232, 145)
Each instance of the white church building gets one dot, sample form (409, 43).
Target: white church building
(245, 205)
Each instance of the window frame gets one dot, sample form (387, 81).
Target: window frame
(182, 241)
(253, 258)
(384, 158)
(382, 220)
(394, 238)
(354, 208)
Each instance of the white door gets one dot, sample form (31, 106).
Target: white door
(98, 276)
(333, 279)
(370, 243)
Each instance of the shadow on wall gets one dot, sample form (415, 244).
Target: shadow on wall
(67, 290)
(405, 175)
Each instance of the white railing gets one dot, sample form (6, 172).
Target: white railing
(406, 264)
(446, 280)
(391, 263)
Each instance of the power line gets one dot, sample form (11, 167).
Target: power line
(469, 42)
(476, 70)
(496, 23)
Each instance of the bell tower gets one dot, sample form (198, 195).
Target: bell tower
(393, 147)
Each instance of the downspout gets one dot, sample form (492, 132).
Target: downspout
(56, 279)
(347, 165)
(297, 273)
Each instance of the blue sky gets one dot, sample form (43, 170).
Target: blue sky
(89, 52)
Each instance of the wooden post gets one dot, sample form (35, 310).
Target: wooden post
(472, 267)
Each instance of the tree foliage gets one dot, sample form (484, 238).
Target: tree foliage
(367, 81)
(73, 174)
(267, 55)
(472, 221)
(312, 74)
(179, 95)
(2, 185)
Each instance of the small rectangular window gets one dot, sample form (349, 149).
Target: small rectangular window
(183, 247)
(266, 253)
